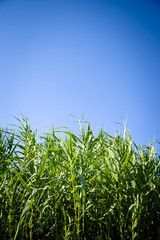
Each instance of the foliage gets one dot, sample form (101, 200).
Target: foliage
(78, 186)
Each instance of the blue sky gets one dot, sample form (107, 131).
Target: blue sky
(96, 58)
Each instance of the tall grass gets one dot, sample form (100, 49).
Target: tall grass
(79, 186)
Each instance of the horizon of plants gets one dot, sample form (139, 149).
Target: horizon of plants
(77, 186)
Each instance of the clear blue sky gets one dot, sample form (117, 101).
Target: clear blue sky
(97, 58)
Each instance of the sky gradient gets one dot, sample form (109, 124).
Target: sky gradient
(96, 58)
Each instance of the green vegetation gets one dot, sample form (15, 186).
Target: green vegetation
(77, 186)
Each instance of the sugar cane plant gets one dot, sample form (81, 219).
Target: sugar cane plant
(78, 186)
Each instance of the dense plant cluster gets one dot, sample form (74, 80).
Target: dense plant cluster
(77, 186)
